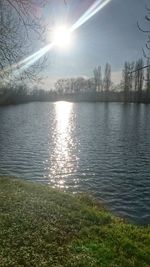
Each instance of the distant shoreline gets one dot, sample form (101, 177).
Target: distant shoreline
(106, 97)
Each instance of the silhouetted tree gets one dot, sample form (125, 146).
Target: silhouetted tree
(98, 79)
(20, 26)
(91, 84)
(139, 77)
(146, 49)
(147, 82)
(126, 80)
(107, 78)
(95, 79)
(131, 67)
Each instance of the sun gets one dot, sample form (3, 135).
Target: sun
(62, 36)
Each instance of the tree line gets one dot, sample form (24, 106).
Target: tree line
(136, 81)
(94, 84)
(133, 87)
(21, 26)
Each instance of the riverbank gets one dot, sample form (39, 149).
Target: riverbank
(14, 97)
(40, 226)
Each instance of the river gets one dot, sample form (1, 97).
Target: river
(99, 148)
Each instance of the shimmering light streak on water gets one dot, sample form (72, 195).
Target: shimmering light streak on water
(61, 156)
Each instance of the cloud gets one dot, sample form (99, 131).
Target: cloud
(116, 76)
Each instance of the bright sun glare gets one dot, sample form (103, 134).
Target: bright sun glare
(62, 36)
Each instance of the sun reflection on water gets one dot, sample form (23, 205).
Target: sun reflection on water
(62, 157)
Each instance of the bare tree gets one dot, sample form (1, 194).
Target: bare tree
(147, 82)
(146, 49)
(107, 78)
(21, 26)
(139, 76)
(100, 83)
(98, 79)
(95, 79)
(126, 80)
(131, 77)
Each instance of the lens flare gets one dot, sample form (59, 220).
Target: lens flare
(61, 37)
(22, 65)
(32, 59)
(95, 8)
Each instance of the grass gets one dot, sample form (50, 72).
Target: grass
(40, 226)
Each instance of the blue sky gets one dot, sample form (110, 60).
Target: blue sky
(109, 36)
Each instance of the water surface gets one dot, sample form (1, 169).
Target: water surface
(101, 148)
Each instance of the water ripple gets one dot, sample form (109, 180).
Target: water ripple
(99, 148)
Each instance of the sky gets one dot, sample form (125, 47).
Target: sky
(111, 36)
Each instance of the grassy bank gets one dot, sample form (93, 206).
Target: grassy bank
(43, 227)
